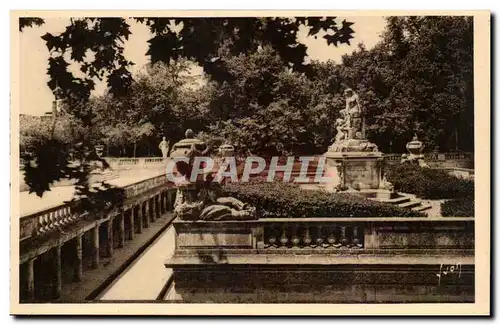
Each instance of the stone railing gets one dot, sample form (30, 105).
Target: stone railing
(312, 235)
(440, 160)
(45, 221)
(324, 234)
(131, 163)
(323, 260)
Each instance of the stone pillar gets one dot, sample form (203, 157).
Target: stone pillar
(139, 219)
(157, 204)
(57, 279)
(152, 207)
(121, 230)
(170, 199)
(95, 247)
(165, 202)
(146, 214)
(132, 224)
(109, 245)
(30, 280)
(79, 258)
(160, 203)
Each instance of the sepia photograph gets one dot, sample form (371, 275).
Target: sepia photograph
(176, 163)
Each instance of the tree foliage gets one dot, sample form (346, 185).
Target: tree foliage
(257, 91)
(266, 108)
(96, 46)
(418, 79)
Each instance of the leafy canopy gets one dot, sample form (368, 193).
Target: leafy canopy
(96, 45)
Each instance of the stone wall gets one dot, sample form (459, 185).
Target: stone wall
(327, 260)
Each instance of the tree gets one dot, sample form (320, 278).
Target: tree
(164, 100)
(418, 79)
(266, 108)
(96, 45)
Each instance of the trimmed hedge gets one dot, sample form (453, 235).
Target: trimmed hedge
(428, 183)
(278, 200)
(462, 207)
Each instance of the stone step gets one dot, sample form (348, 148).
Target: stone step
(398, 200)
(410, 204)
(422, 207)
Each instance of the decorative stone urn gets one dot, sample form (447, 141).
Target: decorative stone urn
(415, 148)
(99, 149)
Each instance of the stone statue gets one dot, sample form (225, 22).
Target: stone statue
(164, 146)
(357, 160)
(350, 128)
(202, 199)
(205, 203)
(355, 119)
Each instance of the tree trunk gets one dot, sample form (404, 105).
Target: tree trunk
(135, 147)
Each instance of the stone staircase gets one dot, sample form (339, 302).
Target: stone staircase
(406, 201)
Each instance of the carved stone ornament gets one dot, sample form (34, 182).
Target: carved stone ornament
(350, 128)
(201, 200)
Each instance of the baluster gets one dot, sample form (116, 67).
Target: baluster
(343, 238)
(51, 221)
(272, 240)
(331, 239)
(356, 241)
(41, 223)
(46, 223)
(67, 218)
(64, 216)
(73, 216)
(295, 239)
(284, 238)
(58, 219)
(319, 238)
(307, 237)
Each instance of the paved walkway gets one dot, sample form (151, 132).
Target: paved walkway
(31, 203)
(147, 276)
(115, 266)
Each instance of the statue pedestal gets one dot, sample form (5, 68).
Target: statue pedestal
(360, 171)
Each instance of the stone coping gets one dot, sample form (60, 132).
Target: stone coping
(289, 258)
(353, 154)
(329, 219)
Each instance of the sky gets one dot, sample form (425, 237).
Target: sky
(36, 97)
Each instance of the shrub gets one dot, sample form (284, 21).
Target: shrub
(461, 207)
(288, 200)
(428, 183)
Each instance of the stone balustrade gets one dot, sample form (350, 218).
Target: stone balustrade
(56, 238)
(323, 260)
(132, 163)
(439, 160)
(46, 221)
(330, 233)
(311, 235)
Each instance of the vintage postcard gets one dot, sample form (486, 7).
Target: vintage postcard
(250, 163)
